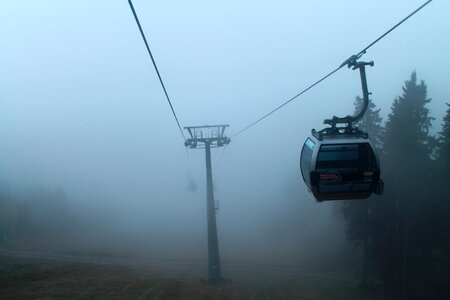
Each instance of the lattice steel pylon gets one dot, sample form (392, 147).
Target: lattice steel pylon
(207, 137)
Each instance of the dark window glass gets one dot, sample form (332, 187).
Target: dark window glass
(346, 168)
(338, 152)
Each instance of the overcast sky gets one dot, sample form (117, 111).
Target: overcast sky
(81, 106)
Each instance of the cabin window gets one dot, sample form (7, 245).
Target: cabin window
(348, 168)
(347, 158)
(338, 153)
(305, 160)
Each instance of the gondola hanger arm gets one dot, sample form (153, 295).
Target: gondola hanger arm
(351, 120)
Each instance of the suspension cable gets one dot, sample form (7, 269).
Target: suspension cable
(156, 68)
(288, 101)
(346, 62)
(395, 26)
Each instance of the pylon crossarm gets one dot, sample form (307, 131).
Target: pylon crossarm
(211, 134)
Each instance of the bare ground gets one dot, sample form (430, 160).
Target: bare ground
(37, 275)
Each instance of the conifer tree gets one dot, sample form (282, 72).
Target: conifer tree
(358, 214)
(371, 121)
(406, 165)
(406, 231)
(406, 134)
(440, 229)
(443, 151)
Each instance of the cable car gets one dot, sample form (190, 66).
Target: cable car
(338, 168)
(192, 185)
(339, 162)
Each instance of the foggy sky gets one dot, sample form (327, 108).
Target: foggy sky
(81, 106)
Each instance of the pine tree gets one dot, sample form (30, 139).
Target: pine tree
(438, 234)
(443, 151)
(405, 232)
(358, 214)
(406, 134)
(406, 164)
(371, 121)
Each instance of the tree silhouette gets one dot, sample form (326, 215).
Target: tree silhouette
(443, 151)
(439, 231)
(358, 214)
(371, 121)
(404, 209)
(405, 232)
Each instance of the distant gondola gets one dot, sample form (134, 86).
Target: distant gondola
(339, 163)
(192, 185)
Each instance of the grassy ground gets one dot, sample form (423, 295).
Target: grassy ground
(32, 278)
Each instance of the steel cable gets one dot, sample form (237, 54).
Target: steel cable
(156, 68)
(351, 58)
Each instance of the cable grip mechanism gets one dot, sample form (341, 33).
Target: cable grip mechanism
(349, 121)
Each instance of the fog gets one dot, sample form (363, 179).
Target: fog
(82, 110)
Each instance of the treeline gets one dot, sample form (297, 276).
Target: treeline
(405, 234)
(33, 213)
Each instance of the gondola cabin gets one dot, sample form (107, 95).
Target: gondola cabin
(340, 167)
(192, 185)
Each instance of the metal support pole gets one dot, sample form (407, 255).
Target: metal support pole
(362, 71)
(214, 274)
(212, 136)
